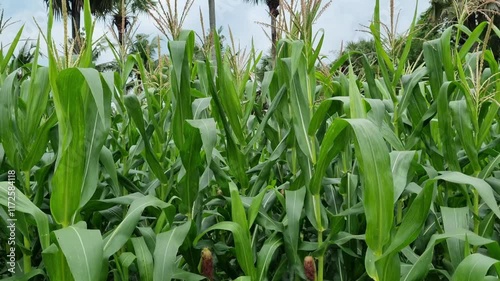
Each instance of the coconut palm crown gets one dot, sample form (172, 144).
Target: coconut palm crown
(272, 4)
(102, 8)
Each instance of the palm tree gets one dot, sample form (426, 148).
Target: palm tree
(144, 47)
(74, 8)
(448, 12)
(273, 6)
(119, 9)
(123, 9)
(211, 15)
(475, 11)
(213, 25)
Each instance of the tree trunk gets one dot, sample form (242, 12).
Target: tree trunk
(211, 14)
(75, 24)
(213, 25)
(273, 36)
(121, 27)
(274, 12)
(121, 32)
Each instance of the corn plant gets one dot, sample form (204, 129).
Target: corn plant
(194, 170)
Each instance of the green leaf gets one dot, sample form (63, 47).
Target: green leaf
(486, 123)
(299, 101)
(24, 205)
(254, 209)
(135, 112)
(410, 83)
(358, 109)
(228, 100)
(472, 39)
(56, 264)
(413, 221)
(38, 144)
(35, 132)
(126, 259)
(237, 210)
(86, 57)
(121, 234)
(69, 174)
(269, 165)
(376, 178)
(272, 108)
(400, 165)
(7, 123)
(83, 250)
(372, 159)
(144, 258)
(106, 159)
(482, 187)
(446, 133)
(265, 256)
(402, 62)
(455, 219)
(420, 268)
(464, 127)
(180, 274)
(389, 268)
(101, 98)
(486, 172)
(191, 160)
(333, 142)
(384, 60)
(243, 246)
(208, 133)
(294, 206)
(473, 267)
(320, 116)
(433, 62)
(6, 59)
(243, 278)
(165, 255)
(26, 276)
(200, 105)
(235, 156)
(97, 126)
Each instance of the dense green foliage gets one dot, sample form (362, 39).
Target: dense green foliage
(189, 168)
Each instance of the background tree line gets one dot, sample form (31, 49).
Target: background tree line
(440, 15)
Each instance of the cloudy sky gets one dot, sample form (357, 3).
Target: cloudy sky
(341, 21)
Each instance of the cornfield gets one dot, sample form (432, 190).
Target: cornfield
(199, 171)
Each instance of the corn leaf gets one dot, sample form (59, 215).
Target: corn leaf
(83, 251)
